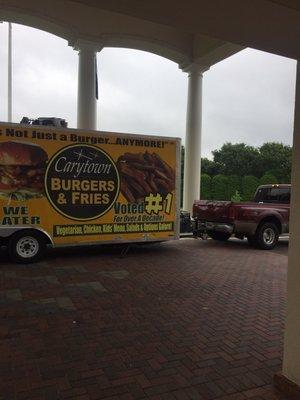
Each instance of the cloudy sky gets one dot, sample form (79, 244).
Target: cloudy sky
(248, 97)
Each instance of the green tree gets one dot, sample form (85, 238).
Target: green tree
(267, 179)
(237, 159)
(205, 191)
(219, 187)
(209, 167)
(276, 158)
(234, 185)
(249, 186)
(281, 175)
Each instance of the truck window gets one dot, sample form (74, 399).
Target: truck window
(273, 195)
(261, 195)
(284, 195)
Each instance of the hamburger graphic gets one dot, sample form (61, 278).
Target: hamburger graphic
(22, 170)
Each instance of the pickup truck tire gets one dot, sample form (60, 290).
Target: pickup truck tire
(220, 236)
(26, 247)
(266, 236)
(252, 240)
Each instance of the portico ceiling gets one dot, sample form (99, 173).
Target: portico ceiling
(205, 31)
(294, 4)
(270, 25)
(105, 26)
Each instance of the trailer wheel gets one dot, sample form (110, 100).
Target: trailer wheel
(267, 236)
(26, 246)
(220, 236)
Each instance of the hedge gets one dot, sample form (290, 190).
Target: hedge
(249, 186)
(222, 187)
(219, 187)
(205, 191)
(267, 179)
(234, 185)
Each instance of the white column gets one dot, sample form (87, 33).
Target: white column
(9, 74)
(291, 359)
(192, 163)
(86, 100)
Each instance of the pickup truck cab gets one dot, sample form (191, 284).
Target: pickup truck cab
(261, 220)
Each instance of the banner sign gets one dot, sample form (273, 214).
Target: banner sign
(89, 186)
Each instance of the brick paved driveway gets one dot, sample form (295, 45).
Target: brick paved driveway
(181, 320)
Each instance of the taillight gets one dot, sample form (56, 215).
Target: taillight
(194, 210)
(231, 213)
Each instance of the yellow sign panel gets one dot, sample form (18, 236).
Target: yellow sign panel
(89, 186)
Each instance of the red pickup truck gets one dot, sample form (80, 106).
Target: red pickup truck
(261, 220)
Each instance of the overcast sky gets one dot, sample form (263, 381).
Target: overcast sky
(248, 97)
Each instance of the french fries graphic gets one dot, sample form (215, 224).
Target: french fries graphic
(144, 173)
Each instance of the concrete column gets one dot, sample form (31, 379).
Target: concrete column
(86, 95)
(9, 75)
(192, 164)
(291, 359)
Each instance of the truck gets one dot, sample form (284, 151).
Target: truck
(261, 221)
(62, 187)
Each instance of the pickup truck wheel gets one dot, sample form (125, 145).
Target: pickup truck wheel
(267, 236)
(26, 247)
(220, 236)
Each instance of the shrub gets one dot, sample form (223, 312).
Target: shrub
(234, 185)
(267, 179)
(280, 175)
(219, 187)
(205, 191)
(249, 186)
(236, 197)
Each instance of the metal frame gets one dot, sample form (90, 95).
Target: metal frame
(7, 231)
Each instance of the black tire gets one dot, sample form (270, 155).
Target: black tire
(27, 246)
(252, 241)
(220, 236)
(266, 236)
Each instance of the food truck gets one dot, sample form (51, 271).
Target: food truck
(62, 187)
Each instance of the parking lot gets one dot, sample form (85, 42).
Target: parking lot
(181, 320)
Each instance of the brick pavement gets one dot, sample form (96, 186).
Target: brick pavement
(181, 320)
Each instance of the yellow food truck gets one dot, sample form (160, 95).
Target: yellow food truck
(67, 186)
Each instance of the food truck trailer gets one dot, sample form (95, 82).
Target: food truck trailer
(63, 187)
